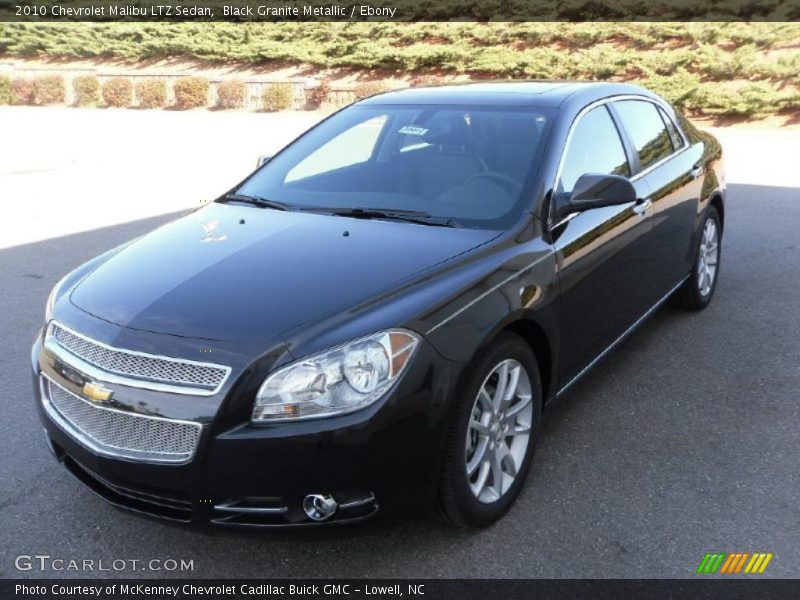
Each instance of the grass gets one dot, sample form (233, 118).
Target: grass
(744, 69)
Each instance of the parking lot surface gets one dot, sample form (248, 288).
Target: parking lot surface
(684, 441)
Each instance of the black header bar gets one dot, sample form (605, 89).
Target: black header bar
(398, 10)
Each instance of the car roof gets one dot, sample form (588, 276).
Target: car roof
(541, 94)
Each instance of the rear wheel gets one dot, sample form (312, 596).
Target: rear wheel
(492, 435)
(698, 290)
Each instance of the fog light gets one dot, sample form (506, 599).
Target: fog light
(319, 507)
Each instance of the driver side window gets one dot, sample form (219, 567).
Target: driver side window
(595, 147)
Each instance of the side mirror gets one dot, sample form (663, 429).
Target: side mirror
(262, 160)
(594, 191)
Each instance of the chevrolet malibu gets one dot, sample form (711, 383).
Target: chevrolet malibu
(380, 314)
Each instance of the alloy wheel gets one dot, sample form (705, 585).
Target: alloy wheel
(707, 258)
(499, 431)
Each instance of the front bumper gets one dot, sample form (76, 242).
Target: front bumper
(258, 476)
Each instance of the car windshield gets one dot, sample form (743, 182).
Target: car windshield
(465, 165)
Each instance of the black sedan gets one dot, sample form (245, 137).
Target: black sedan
(381, 312)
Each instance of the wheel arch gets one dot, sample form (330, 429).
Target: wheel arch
(718, 203)
(539, 342)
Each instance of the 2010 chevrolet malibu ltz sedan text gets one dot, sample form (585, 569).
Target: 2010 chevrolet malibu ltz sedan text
(381, 312)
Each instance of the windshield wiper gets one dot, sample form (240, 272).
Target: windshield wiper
(411, 216)
(255, 201)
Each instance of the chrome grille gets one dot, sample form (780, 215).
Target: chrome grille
(118, 433)
(139, 365)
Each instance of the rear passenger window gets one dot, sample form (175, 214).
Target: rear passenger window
(646, 129)
(674, 134)
(595, 147)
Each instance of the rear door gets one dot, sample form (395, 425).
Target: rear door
(671, 169)
(603, 254)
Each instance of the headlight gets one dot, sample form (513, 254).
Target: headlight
(337, 381)
(51, 300)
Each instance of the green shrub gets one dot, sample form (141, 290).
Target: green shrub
(117, 92)
(5, 90)
(21, 91)
(751, 100)
(49, 89)
(320, 94)
(231, 94)
(151, 93)
(191, 92)
(370, 88)
(277, 96)
(87, 90)
(680, 88)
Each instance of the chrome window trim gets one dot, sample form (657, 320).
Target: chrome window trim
(97, 373)
(665, 114)
(591, 106)
(88, 443)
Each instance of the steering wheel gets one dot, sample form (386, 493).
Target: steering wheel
(507, 182)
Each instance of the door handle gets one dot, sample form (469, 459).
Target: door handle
(641, 206)
(697, 171)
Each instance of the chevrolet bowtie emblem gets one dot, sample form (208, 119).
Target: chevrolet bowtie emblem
(210, 232)
(96, 392)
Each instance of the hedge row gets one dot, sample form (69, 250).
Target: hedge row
(712, 68)
(368, 45)
(120, 92)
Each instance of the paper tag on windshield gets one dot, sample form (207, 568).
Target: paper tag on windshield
(411, 130)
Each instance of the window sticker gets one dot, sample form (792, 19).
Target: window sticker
(411, 130)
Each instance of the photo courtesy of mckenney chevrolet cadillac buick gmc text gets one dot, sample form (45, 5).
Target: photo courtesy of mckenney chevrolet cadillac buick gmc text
(381, 313)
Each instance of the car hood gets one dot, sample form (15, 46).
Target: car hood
(229, 272)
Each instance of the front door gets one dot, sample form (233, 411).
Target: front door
(603, 253)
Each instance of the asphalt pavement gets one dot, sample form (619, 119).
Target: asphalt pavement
(686, 440)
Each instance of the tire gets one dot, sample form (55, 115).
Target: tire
(476, 423)
(696, 292)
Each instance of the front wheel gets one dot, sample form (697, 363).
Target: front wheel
(492, 435)
(698, 290)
